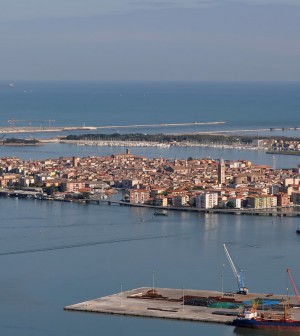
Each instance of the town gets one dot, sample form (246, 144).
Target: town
(202, 183)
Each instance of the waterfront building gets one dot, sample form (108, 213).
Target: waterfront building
(180, 200)
(139, 196)
(156, 191)
(283, 199)
(206, 200)
(262, 202)
(160, 201)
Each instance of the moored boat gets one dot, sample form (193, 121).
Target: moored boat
(250, 319)
(156, 213)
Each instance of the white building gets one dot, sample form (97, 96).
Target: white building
(207, 200)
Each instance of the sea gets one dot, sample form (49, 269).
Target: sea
(55, 254)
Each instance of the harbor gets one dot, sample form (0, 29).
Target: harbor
(58, 253)
(185, 304)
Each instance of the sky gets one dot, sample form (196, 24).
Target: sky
(167, 40)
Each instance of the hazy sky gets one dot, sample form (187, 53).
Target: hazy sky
(182, 40)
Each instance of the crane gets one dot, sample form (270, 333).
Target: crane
(293, 284)
(242, 289)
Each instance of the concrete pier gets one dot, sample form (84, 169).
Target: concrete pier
(168, 304)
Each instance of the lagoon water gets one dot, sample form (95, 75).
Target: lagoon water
(54, 254)
(54, 150)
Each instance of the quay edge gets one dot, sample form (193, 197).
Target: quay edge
(168, 304)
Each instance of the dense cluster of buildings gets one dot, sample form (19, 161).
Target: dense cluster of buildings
(277, 145)
(202, 183)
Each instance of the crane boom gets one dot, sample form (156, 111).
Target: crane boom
(293, 284)
(242, 289)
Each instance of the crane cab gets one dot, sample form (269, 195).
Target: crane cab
(243, 291)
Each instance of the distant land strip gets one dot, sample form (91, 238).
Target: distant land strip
(169, 138)
(249, 130)
(165, 125)
(40, 129)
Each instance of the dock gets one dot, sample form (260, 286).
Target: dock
(167, 303)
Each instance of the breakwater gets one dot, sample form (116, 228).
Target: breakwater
(40, 129)
(284, 152)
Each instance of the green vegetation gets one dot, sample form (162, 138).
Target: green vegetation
(18, 141)
(164, 138)
(172, 138)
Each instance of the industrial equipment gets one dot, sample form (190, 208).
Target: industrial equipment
(242, 289)
(293, 284)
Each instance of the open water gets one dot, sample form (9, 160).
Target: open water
(240, 105)
(54, 254)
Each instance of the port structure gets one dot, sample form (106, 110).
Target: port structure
(295, 289)
(242, 289)
(12, 122)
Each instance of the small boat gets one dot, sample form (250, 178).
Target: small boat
(156, 213)
(250, 319)
(298, 230)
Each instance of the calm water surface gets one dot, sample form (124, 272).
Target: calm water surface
(54, 150)
(55, 254)
(240, 105)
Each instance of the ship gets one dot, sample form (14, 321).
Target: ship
(280, 322)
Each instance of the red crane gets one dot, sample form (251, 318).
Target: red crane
(293, 284)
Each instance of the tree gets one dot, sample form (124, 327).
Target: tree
(50, 190)
(230, 205)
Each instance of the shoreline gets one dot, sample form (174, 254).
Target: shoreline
(48, 129)
(275, 212)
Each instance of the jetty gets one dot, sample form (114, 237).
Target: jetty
(184, 304)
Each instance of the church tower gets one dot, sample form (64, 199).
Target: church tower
(221, 171)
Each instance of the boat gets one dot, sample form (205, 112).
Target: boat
(157, 213)
(298, 230)
(271, 321)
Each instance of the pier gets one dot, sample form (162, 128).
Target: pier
(174, 304)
